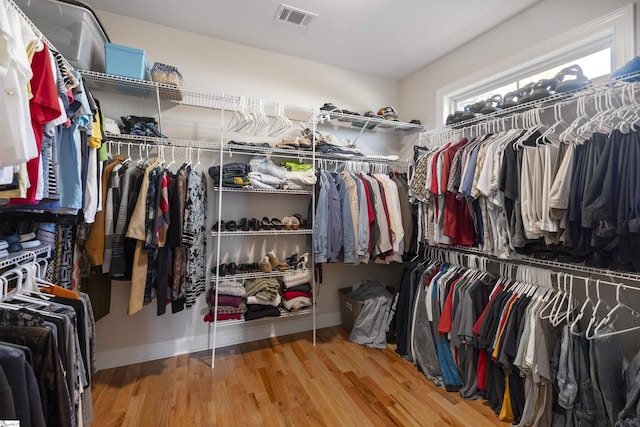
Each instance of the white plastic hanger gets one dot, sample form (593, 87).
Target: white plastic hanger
(610, 319)
(589, 331)
(573, 327)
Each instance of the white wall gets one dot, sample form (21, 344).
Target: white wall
(240, 70)
(541, 22)
(212, 64)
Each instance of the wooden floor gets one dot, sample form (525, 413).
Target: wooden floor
(281, 381)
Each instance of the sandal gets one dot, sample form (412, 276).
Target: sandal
(222, 226)
(543, 89)
(254, 224)
(231, 226)
(232, 268)
(265, 224)
(525, 93)
(567, 85)
(277, 224)
(511, 99)
(292, 261)
(243, 224)
(492, 105)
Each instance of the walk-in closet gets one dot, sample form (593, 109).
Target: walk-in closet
(411, 214)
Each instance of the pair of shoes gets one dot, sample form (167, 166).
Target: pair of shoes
(290, 223)
(275, 262)
(249, 268)
(225, 226)
(265, 265)
(225, 269)
(302, 261)
(270, 224)
(297, 143)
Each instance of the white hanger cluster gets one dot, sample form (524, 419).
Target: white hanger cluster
(26, 279)
(250, 116)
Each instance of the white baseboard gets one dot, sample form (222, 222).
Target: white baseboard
(226, 336)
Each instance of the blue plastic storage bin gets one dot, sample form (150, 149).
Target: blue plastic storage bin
(126, 62)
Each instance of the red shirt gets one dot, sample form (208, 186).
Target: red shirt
(44, 107)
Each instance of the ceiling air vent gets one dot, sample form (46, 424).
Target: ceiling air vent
(295, 16)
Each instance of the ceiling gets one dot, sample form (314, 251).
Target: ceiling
(390, 39)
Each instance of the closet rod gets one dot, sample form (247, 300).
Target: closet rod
(563, 98)
(635, 277)
(484, 258)
(39, 33)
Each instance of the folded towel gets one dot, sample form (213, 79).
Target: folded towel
(4, 253)
(264, 165)
(229, 300)
(260, 185)
(3, 244)
(306, 287)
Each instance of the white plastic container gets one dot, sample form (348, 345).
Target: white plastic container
(72, 29)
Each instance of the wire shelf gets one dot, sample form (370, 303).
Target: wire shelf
(263, 233)
(371, 124)
(283, 314)
(255, 149)
(170, 142)
(261, 190)
(24, 255)
(243, 276)
(191, 97)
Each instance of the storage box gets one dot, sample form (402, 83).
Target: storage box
(126, 62)
(349, 308)
(72, 28)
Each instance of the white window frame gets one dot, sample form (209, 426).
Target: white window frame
(616, 29)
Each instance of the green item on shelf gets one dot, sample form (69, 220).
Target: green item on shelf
(292, 166)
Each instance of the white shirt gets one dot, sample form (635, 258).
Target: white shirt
(18, 144)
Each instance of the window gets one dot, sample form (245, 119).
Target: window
(598, 47)
(593, 66)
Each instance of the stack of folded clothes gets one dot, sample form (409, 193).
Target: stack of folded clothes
(300, 176)
(297, 294)
(12, 243)
(337, 147)
(265, 174)
(29, 241)
(231, 305)
(233, 175)
(263, 291)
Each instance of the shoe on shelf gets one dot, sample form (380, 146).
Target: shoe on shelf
(302, 261)
(265, 265)
(254, 224)
(273, 259)
(231, 226)
(222, 225)
(286, 221)
(277, 224)
(266, 224)
(243, 224)
(303, 223)
(295, 223)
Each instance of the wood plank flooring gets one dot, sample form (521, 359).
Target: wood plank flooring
(282, 381)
